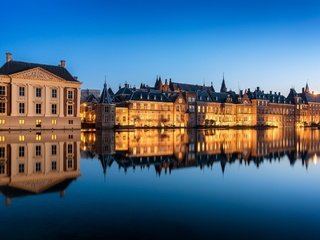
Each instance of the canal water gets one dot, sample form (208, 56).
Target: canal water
(160, 184)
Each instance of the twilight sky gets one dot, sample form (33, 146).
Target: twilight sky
(271, 44)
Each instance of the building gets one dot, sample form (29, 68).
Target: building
(105, 110)
(170, 149)
(172, 104)
(38, 96)
(88, 102)
(38, 162)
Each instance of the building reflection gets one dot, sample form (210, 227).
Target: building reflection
(171, 149)
(38, 162)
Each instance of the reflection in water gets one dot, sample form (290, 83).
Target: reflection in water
(168, 150)
(38, 162)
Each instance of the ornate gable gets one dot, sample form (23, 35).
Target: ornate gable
(36, 74)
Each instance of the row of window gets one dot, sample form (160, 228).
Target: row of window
(39, 108)
(38, 166)
(38, 92)
(152, 106)
(38, 152)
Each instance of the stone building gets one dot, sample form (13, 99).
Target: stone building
(38, 96)
(172, 104)
(105, 110)
(36, 162)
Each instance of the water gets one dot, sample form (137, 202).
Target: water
(151, 184)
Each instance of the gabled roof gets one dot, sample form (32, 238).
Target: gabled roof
(124, 91)
(12, 67)
(110, 92)
(90, 99)
(204, 96)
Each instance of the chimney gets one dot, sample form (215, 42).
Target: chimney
(63, 63)
(303, 89)
(8, 57)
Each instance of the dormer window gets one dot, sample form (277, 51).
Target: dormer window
(140, 96)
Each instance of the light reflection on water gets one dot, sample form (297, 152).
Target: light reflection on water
(156, 184)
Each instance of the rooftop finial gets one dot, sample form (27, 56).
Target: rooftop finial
(8, 57)
(63, 63)
(105, 81)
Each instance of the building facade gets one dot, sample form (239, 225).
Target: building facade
(172, 104)
(38, 96)
(35, 162)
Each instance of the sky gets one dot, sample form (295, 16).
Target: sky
(271, 44)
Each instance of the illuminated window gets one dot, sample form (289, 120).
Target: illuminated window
(38, 137)
(53, 121)
(53, 137)
(21, 121)
(21, 138)
(38, 121)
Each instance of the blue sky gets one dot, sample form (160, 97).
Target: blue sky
(271, 44)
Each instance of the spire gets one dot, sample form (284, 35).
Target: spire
(105, 95)
(223, 85)
(307, 87)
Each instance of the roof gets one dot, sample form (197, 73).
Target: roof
(309, 97)
(155, 96)
(126, 90)
(188, 87)
(223, 86)
(12, 67)
(105, 95)
(90, 99)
